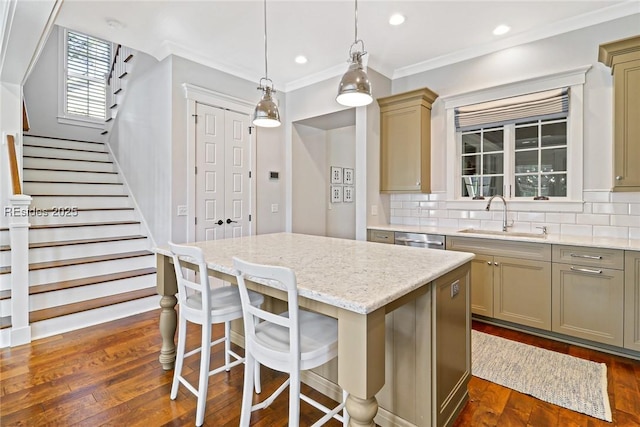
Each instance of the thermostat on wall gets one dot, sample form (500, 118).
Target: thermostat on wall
(273, 175)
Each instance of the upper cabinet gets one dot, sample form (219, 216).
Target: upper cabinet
(623, 56)
(405, 142)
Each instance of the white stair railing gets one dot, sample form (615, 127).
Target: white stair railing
(19, 242)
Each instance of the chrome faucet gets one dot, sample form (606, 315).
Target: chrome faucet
(504, 210)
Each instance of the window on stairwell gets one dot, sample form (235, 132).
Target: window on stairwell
(86, 66)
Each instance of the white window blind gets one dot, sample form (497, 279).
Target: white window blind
(551, 104)
(88, 61)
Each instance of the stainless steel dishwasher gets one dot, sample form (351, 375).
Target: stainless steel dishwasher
(421, 240)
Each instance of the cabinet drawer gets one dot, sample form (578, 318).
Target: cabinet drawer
(381, 236)
(594, 257)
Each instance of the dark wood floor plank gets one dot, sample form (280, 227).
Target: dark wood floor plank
(109, 374)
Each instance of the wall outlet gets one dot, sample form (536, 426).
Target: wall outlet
(374, 210)
(182, 210)
(455, 288)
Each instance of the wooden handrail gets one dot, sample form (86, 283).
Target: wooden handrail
(13, 165)
(25, 118)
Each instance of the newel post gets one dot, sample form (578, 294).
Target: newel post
(19, 237)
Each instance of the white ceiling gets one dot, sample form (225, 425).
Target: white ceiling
(229, 35)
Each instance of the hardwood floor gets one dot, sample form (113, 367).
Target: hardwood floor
(110, 375)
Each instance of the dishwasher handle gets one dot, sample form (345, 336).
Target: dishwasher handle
(424, 242)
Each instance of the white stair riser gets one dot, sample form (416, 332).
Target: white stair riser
(4, 238)
(53, 153)
(61, 143)
(5, 337)
(5, 307)
(56, 188)
(66, 176)
(75, 321)
(72, 272)
(81, 202)
(84, 232)
(76, 165)
(80, 250)
(84, 293)
(97, 216)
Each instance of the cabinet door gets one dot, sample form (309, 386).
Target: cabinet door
(626, 77)
(401, 136)
(588, 303)
(632, 300)
(482, 285)
(522, 292)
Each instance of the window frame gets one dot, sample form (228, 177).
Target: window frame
(63, 116)
(574, 79)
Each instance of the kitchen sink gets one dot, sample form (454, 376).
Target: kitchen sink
(504, 233)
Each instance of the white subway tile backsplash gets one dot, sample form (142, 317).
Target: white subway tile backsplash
(530, 216)
(625, 197)
(611, 208)
(625, 220)
(596, 196)
(608, 231)
(576, 230)
(592, 219)
(604, 214)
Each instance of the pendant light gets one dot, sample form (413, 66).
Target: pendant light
(355, 89)
(266, 113)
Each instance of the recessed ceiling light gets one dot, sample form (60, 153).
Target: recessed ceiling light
(501, 29)
(114, 24)
(396, 19)
(301, 59)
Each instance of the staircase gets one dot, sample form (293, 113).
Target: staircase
(89, 256)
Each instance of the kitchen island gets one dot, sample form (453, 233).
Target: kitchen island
(360, 283)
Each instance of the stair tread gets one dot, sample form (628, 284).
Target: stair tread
(78, 242)
(76, 283)
(73, 182)
(78, 195)
(78, 261)
(5, 322)
(66, 158)
(82, 224)
(63, 310)
(68, 170)
(26, 144)
(61, 139)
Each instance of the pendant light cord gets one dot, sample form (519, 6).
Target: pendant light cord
(356, 39)
(266, 72)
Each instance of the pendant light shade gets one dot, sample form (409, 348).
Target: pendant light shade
(266, 113)
(355, 88)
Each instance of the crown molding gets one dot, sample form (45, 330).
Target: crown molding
(599, 16)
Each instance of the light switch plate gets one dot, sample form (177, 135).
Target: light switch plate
(182, 210)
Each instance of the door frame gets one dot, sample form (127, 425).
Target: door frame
(196, 94)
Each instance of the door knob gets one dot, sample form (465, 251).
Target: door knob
(219, 222)
(229, 221)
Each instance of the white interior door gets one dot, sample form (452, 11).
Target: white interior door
(222, 173)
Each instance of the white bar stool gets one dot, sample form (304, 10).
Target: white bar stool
(201, 304)
(293, 341)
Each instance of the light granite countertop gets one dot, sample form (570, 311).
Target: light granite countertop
(353, 275)
(596, 242)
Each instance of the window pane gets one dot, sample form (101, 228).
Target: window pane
(526, 137)
(526, 185)
(470, 165)
(554, 160)
(554, 185)
(492, 164)
(492, 185)
(526, 161)
(554, 134)
(471, 186)
(494, 140)
(471, 143)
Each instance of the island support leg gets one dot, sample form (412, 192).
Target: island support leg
(167, 289)
(361, 347)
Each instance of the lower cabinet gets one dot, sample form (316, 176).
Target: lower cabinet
(510, 280)
(588, 299)
(632, 300)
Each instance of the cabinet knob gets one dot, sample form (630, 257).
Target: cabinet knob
(495, 263)
(619, 178)
(488, 262)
